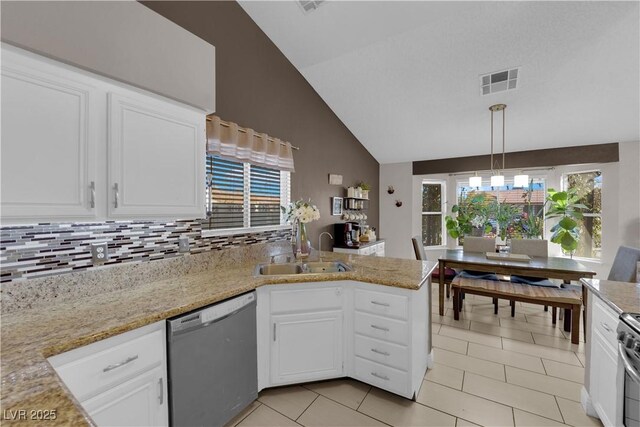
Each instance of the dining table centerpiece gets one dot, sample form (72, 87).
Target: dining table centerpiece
(299, 214)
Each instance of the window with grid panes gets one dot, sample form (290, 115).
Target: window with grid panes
(588, 187)
(433, 213)
(241, 195)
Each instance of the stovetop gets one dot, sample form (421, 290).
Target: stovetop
(632, 320)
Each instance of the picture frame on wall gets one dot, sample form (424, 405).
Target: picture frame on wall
(336, 206)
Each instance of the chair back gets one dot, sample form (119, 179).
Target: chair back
(625, 265)
(531, 247)
(418, 248)
(478, 244)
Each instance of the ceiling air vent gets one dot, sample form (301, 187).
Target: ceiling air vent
(310, 5)
(499, 81)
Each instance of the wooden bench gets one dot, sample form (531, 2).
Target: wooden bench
(563, 298)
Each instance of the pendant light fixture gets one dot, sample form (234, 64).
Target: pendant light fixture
(475, 180)
(521, 181)
(497, 177)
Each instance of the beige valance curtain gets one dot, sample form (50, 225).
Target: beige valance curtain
(232, 142)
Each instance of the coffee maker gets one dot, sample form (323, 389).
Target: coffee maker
(347, 235)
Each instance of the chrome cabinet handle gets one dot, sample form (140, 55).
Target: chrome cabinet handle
(384, 304)
(382, 377)
(117, 365)
(92, 187)
(628, 367)
(117, 199)
(384, 353)
(161, 396)
(380, 328)
(274, 332)
(605, 326)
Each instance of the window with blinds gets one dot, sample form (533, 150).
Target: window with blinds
(240, 195)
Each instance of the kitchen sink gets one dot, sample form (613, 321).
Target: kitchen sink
(304, 268)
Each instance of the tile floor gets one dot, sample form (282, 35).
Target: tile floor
(489, 370)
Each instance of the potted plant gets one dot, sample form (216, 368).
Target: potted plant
(364, 187)
(299, 213)
(471, 217)
(564, 205)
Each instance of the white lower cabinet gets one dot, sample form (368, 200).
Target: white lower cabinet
(605, 371)
(376, 334)
(120, 381)
(306, 347)
(374, 249)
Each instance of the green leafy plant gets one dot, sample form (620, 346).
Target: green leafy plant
(504, 214)
(363, 185)
(564, 205)
(472, 212)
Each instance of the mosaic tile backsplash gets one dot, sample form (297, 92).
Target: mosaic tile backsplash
(30, 251)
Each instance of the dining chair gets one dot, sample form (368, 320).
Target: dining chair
(625, 265)
(480, 245)
(534, 248)
(449, 273)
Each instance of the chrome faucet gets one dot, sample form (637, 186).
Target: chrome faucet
(320, 242)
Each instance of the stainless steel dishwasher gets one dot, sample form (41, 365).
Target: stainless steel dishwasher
(212, 362)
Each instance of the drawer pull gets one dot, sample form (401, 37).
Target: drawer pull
(384, 353)
(384, 304)
(605, 327)
(380, 328)
(117, 365)
(382, 377)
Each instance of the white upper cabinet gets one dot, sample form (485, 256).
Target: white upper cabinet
(156, 158)
(49, 136)
(76, 146)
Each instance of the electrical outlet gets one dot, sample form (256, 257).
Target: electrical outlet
(99, 252)
(183, 244)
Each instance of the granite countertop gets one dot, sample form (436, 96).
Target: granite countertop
(30, 336)
(361, 245)
(623, 297)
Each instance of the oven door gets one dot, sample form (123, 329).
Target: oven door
(631, 388)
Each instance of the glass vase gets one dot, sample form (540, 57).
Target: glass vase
(300, 244)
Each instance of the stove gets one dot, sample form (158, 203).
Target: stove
(629, 354)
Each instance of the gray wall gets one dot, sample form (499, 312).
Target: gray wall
(258, 87)
(122, 40)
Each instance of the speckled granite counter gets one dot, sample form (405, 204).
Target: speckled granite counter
(31, 335)
(620, 296)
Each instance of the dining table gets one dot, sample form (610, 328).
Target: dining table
(561, 268)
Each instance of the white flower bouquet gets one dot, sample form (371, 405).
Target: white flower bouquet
(301, 211)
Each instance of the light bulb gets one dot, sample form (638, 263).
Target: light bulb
(521, 181)
(475, 181)
(497, 180)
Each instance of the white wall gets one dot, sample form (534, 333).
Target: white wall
(620, 205)
(122, 40)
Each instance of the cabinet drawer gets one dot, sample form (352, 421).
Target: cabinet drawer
(383, 352)
(382, 303)
(381, 376)
(382, 328)
(114, 365)
(605, 321)
(306, 300)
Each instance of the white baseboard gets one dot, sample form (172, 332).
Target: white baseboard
(430, 360)
(585, 399)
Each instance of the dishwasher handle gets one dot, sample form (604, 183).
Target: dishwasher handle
(193, 321)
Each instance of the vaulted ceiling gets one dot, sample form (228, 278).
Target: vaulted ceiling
(404, 76)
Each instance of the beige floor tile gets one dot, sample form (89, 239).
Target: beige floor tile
(463, 405)
(464, 423)
(435, 328)
(514, 334)
(567, 335)
(544, 383)
(445, 375)
(446, 320)
(471, 336)
(506, 357)
(349, 392)
(474, 317)
(397, 411)
(289, 401)
(451, 344)
(542, 319)
(557, 342)
(264, 416)
(582, 358)
(574, 414)
(324, 413)
(503, 312)
(242, 415)
(512, 395)
(564, 371)
(531, 327)
(526, 419)
(541, 351)
(469, 364)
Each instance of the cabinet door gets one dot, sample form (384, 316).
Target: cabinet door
(49, 120)
(306, 347)
(137, 402)
(605, 383)
(156, 158)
